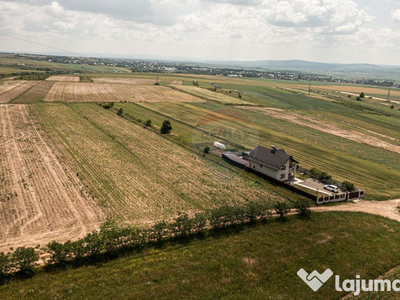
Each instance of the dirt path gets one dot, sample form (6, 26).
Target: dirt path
(387, 209)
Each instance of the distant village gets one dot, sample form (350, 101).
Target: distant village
(155, 66)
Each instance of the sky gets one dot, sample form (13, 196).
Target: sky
(333, 31)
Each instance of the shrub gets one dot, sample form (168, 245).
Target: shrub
(281, 208)
(4, 264)
(24, 259)
(206, 149)
(320, 175)
(302, 206)
(108, 105)
(147, 123)
(348, 186)
(120, 111)
(166, 127)
(362, 95)
(59, 252)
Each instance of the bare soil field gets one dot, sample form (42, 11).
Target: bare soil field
(16, 91)
(366, 137)
(123, 80)
(63, 78)
(41, 198)
(96, 92)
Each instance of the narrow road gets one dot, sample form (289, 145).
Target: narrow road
(386, 209)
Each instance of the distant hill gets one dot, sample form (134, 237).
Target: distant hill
(309, 66)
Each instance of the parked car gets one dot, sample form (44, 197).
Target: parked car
(332, 188)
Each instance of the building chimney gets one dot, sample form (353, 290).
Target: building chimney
(273, 149)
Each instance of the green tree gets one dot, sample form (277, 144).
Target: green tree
(281, 208)
(24, 259)
(4, 263)
(362, 95)
(302, 206)
(147, 123)
(120, 111)
(166, 127)
(348, 186)
(206, 149)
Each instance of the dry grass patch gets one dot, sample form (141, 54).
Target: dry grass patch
(9, 85)
(16, 91)
(354, 134)
(63, 78)
(96, 92)
(210, 95)
(123, 80)
(34, 94)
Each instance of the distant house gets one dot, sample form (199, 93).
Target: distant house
(273, 163)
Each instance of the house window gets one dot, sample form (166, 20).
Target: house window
(283, 168)
(260, 166)
(254, 167)
(283, 176)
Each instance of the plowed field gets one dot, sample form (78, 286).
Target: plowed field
(41, 198)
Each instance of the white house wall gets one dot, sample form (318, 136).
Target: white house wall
(272, 173)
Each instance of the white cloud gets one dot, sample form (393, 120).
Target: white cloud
(395, 15)
(242, 29)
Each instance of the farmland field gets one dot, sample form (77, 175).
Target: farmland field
(40, 197)
(137, 175)
(214, 96)
(8, 85)
(96, 92)
(69, 165)
(370, 167)
(34, 94)
(63, 78)
(10, 94)
(123, 80)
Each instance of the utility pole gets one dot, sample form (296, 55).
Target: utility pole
(388, 94)
(309, 87)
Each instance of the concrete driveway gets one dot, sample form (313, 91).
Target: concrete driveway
(315, 185)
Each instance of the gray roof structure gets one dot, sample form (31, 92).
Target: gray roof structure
(271, 158)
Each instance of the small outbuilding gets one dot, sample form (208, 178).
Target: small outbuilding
(219, 145)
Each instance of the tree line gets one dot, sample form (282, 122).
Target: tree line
(111, 241)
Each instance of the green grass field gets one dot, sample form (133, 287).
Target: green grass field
(371, 168)
(257, 263)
